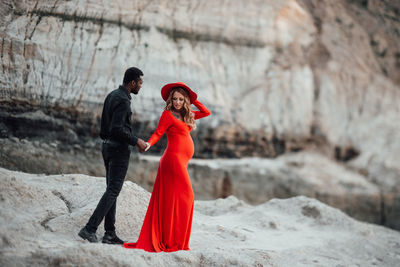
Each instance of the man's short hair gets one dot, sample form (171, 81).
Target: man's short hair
(132, 74)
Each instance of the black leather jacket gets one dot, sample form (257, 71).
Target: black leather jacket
(116, 118)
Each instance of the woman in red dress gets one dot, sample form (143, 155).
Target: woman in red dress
(168, 221)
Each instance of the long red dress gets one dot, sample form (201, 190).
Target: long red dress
(168, 221)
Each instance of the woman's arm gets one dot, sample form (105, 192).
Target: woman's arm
(163, 124)
(202, 112)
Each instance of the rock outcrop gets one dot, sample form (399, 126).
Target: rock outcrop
(41, 215)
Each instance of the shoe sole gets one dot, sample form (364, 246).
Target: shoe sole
(111, 243)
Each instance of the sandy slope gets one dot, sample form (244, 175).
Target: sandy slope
(40, 216)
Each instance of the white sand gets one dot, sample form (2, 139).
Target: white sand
(41, 215)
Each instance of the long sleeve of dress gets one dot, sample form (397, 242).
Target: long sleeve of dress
(202, 112)
(163, 124)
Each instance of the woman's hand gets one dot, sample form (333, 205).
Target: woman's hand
(147, 146)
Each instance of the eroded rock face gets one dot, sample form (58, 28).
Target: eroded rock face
(278, 76)
(285, 71)
(41, 215)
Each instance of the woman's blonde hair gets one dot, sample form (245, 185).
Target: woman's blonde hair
(186, 110)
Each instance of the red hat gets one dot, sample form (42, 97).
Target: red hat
(167, 89)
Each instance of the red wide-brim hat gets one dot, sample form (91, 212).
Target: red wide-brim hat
(168, 87)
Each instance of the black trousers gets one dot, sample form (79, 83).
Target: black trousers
(116, 161)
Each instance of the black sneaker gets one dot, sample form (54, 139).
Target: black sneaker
(85, 234)
(112, 238)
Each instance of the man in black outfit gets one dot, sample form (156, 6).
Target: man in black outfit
(117, 135)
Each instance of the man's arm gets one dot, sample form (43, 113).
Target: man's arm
(117, 130)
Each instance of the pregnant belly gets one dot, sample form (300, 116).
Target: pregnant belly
(181, 145)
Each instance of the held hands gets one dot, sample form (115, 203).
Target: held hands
(142, 145)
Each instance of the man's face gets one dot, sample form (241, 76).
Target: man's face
(136, 86)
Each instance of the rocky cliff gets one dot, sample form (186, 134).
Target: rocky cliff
(278, 76)
(270, 71)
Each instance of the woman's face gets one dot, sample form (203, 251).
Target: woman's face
(177, 100)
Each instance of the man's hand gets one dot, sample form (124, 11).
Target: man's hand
(142, 145)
